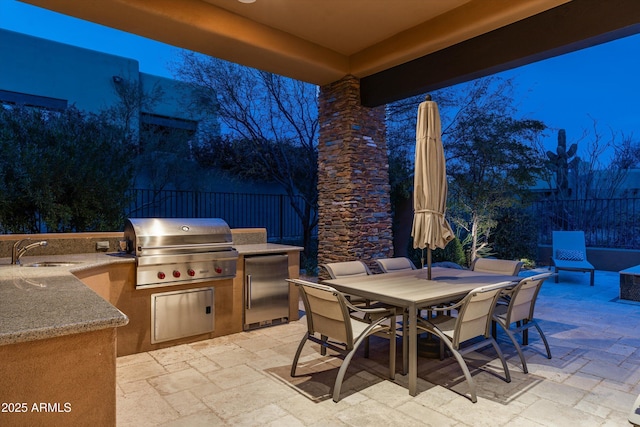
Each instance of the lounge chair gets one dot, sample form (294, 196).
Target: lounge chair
(570, 253)
(328, 315)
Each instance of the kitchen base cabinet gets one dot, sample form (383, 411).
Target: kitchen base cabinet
(62, 381)
(116, 284)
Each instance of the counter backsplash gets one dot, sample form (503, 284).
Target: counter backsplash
(79, 243)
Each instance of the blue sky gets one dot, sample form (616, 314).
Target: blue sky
(570, 91)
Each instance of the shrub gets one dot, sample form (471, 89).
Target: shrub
(453, 252)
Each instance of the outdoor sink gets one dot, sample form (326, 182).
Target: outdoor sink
(51, 264)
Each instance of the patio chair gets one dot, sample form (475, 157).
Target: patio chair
(634, 413)
(343, 269)
(388, 265)
(519, 311)
(346, 269)
(570, 253)
(472, 322)
(328, 315)
(339, 270)
(497, 266)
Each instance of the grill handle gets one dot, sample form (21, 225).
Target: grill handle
(248, 293)
(224, 245)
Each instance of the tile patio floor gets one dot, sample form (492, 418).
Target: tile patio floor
(243, 379)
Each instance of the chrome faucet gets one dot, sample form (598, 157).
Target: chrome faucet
(17, 251)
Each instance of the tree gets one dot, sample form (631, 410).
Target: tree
(278, 116)
(491, 164)
(490, 154)
(68, 170)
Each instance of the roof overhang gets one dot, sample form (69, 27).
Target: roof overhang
(397, 49)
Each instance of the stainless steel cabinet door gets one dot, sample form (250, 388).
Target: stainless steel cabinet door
(266, 288)
(181, 314)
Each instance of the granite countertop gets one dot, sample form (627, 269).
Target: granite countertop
(47, 302)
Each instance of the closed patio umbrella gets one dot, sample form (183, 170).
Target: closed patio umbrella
(430, 227)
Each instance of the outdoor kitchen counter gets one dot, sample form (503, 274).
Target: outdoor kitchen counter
(47, 302)
(265, 248)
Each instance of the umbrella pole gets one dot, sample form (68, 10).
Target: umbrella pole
(428, 263)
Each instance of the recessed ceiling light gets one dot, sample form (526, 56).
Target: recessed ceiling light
(247, 1)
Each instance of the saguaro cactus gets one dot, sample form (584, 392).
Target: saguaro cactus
(560, 163)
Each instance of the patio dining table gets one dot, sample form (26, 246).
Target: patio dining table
(411, 290)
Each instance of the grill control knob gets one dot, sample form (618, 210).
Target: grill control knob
(176, 273)
(161, 275)
(218, 270)
(191, 272)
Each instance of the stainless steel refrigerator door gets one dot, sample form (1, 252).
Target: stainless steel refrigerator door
(266, 289)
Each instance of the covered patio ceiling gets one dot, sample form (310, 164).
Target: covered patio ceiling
(397, 48)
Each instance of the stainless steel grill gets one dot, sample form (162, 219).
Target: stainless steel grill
(176, 251)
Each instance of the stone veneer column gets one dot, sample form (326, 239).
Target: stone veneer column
(353, 177)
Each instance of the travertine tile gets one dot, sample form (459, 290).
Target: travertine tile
(235, 376)
(139, 371)
(185, 403)
(177, 381)
(200, 419)
(143, 408)
(244, 379)
(549, 413)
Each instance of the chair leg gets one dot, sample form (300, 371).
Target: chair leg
(544, 339)
(345, 365)
(465, 370)
(507, 374)
(323, 349)
(341, 372)
(514, 341)
(294, 365)
(592, 273)
(392, 351)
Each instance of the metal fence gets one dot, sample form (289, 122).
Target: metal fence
(240, 210)
(607, 223)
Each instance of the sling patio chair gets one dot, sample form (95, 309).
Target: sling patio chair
(472, 322)
(519, 311)
(497, 266)
(388, 265)
(328, 315)
(343, 269)
(570, 253)
(338, 270)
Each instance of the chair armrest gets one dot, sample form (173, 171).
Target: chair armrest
(377, 310)
(445, 308)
